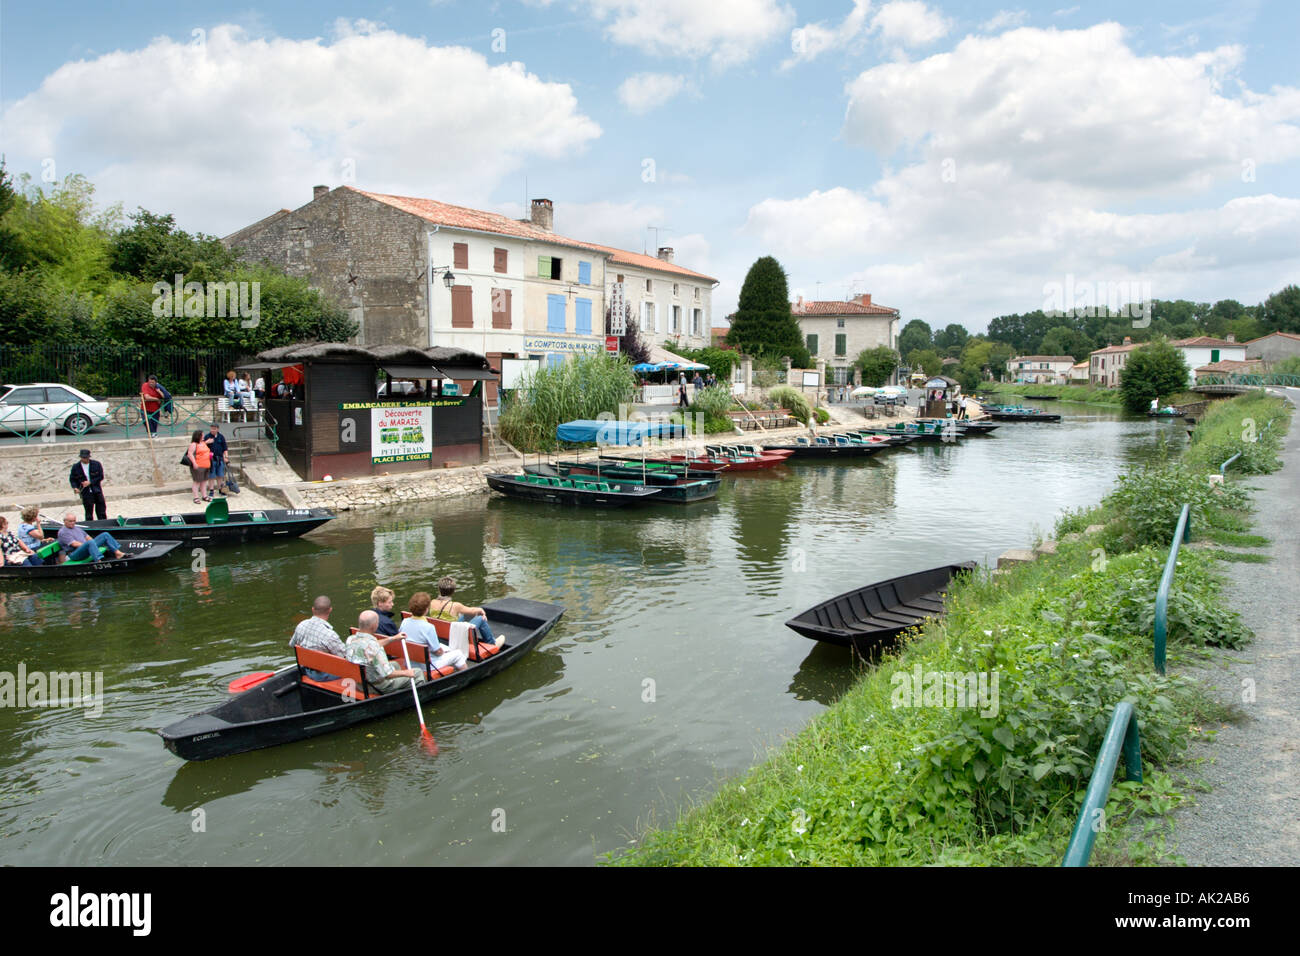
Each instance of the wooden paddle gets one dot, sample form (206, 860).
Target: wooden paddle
(430, 744)
(157, 472)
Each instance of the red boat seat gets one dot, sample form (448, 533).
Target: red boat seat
(478, 650)
(350, 679)
(418, 653)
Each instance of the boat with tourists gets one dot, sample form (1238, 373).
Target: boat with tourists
(289, 705)
(216, 524)
(138, 553)
(867, 616)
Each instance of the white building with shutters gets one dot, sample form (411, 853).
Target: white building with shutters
(837, 332)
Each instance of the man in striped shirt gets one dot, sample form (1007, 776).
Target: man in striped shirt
(317, 634)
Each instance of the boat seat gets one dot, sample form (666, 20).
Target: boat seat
(48, 550)
(120, 521)
(260, 516)
(175, 519)
(478, 650)
(350, 679)
(91, 560)
(419, 654)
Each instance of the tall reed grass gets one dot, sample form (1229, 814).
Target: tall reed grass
(578, 389)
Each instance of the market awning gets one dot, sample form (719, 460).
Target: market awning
(264, 366)
(616, 432)
(417, 372)
(464, 373)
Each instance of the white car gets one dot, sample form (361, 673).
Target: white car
(28, 409)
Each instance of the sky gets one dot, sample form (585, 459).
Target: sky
(957, 161)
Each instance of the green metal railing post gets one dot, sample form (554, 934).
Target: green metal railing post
(1223, 468)
(1181, 534)
(1121, 736)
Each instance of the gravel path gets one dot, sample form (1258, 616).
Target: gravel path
(1252, 815)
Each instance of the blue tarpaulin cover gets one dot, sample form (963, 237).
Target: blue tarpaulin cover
(617, 432)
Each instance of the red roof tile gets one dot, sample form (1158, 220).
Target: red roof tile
(1117, 348)
(1206, 342)
(839, 308)
(1042, 358)
(1289, 335)
(1232, 365)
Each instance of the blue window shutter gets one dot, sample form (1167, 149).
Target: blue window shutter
(583, 326)
(555, 309)
(554, 359)
(584, 273)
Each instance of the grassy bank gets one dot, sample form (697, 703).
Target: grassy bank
(883, 777)
(1084, 394)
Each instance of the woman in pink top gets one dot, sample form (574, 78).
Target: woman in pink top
(200, 456)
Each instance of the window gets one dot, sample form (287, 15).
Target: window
(555, 313)
(812, 344)
(554, 359)
(548, 267)
(462, 307)
(584, 273)
(674, 288)
(1214, 355)
(839, 323)
(499, 260)
(25, 396)
(649, 318)
(675, 321)
(60, 395)
(582, 320)
(619, 279)
(697, 293)
(696, 316)
(839, 376)
(841, 345)
(648, 287)
(500, 308)
(460, 255)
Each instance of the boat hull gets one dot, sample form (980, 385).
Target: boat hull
(193, 528)
(831, 451)
(139, 554)
(516, 487)
(279, 710)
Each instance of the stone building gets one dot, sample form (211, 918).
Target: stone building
(1105, 365)
(1041, 369)
(1273, 347)
(836, 332)
(424, 273)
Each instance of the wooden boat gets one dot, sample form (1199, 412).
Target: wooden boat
(745, 451)
(1020, 413)
(869, 615)
(139, 554)
(673, 486)
(1042, 398)
(802, 448)
(215, 525)
(917, 433)
(288, 706)
(583, 492)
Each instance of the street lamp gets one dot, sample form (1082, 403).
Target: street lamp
(448, 279)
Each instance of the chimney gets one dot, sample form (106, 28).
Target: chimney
(318, 191)
(543, 214)
(1230, 337)
(1128, 340)
(798, 305)
(863, 299)
(665, 253)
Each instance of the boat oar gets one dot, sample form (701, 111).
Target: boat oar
(430, 744)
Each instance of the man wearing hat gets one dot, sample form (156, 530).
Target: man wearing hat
(86, 478)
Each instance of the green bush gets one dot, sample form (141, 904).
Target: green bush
(1252, 425)
(823, 415)
(581, 388)
(786, 397)
(1148, 501)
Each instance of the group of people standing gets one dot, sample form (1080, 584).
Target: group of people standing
(208, 457)
(378, 627)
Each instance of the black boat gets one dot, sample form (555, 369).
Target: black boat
(215, 525)
(138, 554)
(673, 487)
(872, 614)
(286, 707)
(583, 492)
(1042, 398)
(830, 449)
(1024, 416)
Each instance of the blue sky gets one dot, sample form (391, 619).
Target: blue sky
(953, 160)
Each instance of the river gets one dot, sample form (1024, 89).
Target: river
(669, 672)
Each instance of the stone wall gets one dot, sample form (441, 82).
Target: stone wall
(39, 468)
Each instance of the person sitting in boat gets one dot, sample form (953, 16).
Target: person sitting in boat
(418, 630)
(450, 610)
(365, 648)
(77, 543)
(29, 528)
(381, 602)
(318, 634)
(13, 550)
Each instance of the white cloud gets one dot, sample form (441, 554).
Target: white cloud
(1065, 11)
(813, 39)
(909, 23)
(727, 32)
(1003, 20)
(224, 133)
(644, 92)
(1018, 167)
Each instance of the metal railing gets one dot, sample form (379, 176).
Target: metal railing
(1181, 533)
(1121, 736)
(1224, 467)
(41, 423)
(1260, 380)
(117, 369)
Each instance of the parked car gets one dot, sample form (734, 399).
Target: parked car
(27, 409)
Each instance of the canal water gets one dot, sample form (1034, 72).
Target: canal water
(669, 672)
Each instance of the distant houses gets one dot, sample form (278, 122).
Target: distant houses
(1041, 369)
(837, 332)
(1274, 347)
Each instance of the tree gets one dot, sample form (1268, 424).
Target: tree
(1063, 340)
(1281, 310)
(915, 335)
(877, 365)
(1153, 371)
(153, 249)
(763, 324)
(928, 360)
(953, 337)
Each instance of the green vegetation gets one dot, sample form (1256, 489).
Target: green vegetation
(927, 360)
(878, 780)
(788, 398)
(1083, 394)
(1236, 540)
(823, 415)
(582, 388)
(1288, 366)
(1153, 371)
(877, 365)
(70, 274)
(719, 361)
(763, 324)
(713, 404)
(914, 337)
(1252, 425)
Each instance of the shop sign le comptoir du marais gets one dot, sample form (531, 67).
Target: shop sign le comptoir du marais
(401, 432)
